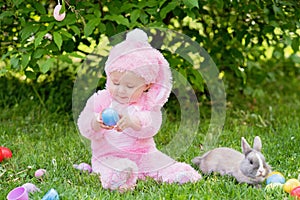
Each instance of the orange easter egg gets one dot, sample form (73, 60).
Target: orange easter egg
(290, 185)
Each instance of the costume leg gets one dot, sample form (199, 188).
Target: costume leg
(116, 173)
(162, 168)
(178, 173)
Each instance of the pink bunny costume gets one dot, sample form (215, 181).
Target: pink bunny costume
(122, 157)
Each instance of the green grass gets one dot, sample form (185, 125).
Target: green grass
(45, 136)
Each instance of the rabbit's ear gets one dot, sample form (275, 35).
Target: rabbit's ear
(245, 146)
(257, 143)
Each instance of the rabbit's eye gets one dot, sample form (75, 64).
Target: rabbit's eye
(251, 162)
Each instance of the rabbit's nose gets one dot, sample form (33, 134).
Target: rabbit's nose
(260, 172)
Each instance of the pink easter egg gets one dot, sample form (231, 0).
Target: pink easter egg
(57, 16)
(83, 167)
(31, 188)
(39, 173)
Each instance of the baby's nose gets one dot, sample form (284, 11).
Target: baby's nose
(121, 90)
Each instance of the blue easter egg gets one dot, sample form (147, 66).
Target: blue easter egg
(110, 117)
(51, 195)
(275, 178)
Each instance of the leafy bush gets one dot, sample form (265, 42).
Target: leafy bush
(256, 39)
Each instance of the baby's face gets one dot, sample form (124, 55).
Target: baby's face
(126, 87)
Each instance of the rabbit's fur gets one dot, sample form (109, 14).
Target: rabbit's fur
(247, 167)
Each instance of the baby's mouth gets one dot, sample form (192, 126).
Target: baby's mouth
(122, 97)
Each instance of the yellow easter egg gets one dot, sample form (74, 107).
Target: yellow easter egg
(290, 185)
(274, 172)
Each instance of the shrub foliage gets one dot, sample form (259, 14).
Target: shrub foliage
(245, 38)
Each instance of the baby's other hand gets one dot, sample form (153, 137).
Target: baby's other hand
(128, 122)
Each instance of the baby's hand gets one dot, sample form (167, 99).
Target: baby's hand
(100, 124)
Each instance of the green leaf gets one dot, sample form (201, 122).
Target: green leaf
(236, 53)
(171, 6)
(52, 47)
(66, 33)
(46, 18)
(191, 14)
(69, 20)
(144, 17)
(120, 19)
(39, 38)
(219, 4)
(17, 3)
(65, 58)
(76, 30)
(14, 61)
(40, 8)
(69, 45)
(6, 14)
(97, 12)
(295, 44)
(25, 60)
(63, 7)
(3, 72)
(28, 30)
(7, 54)
(30, 74)
(110, 29)
(33, 65)
(162, 2)
(151, 11)
(191, 3)
(102, 27)
(152, 3)
(134, 15)
(276, 10)
(268, 29)
(45, 65)
(39, 52)
(57, 39)
(50, 26)
(90, 26)
(295, 58)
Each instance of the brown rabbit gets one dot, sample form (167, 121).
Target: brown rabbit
(247, 167)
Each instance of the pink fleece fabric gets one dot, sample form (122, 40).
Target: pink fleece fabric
(121, 158)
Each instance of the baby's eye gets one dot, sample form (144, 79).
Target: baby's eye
(116, 83)
(130, 86)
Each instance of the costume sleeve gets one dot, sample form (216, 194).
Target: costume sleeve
(150, 121)
(95, 104)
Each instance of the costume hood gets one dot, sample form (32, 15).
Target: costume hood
(137, 55)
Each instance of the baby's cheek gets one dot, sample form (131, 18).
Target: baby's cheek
(111, 89)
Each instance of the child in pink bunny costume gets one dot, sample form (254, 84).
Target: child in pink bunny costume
(138, 84)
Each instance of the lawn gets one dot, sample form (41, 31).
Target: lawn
(41, 134)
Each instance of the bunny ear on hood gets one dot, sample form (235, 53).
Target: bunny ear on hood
(137, 55)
